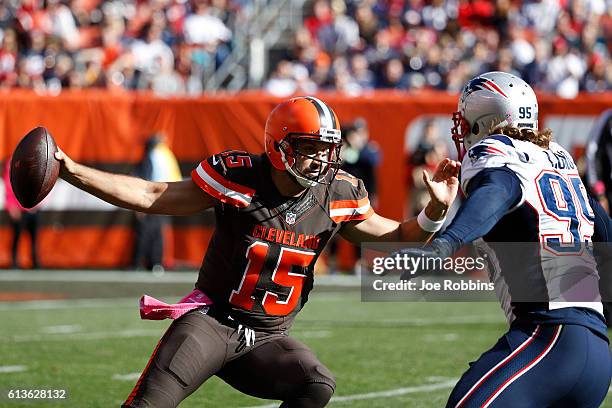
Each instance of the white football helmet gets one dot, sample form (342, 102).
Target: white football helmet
(492, 100)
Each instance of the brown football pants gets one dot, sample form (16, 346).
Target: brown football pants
(264, 365)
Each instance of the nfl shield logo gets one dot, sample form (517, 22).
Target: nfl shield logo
(290, 217)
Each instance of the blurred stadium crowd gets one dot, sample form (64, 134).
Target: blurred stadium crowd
(353, 46)
(164, 45)
(560, 46)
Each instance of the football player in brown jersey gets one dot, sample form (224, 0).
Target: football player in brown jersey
(274, 214)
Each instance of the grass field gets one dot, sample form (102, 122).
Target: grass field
(383, 354)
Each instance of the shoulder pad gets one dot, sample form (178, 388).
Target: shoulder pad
(227, 176)
(349, 199)
(491, 152)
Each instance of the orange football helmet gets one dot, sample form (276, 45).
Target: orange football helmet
(303, 118)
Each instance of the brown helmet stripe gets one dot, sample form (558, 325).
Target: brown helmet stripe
(326, 115)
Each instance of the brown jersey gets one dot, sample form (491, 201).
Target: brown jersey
(260, 260)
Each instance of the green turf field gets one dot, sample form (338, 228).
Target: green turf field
(383, 354)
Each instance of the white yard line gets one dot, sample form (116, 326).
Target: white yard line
(441, 337)
(459, 319)
(101, 302)
(98, 277)
(142, 277)
(68, 304)
(311, 334)
(82, 336)
(13, 369)
(62, 329)
(132, 302)
(75, 336)
(128, 302)
(383, 394)
(126, 377)
(92, 303)
(397, 392)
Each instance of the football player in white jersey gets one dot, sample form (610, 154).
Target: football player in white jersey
(521, 187)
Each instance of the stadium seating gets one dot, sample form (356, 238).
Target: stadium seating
(189, 47)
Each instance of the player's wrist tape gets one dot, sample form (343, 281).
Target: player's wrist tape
(427, 224)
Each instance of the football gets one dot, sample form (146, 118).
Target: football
(34, 168)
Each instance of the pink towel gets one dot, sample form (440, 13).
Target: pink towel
(153, 309)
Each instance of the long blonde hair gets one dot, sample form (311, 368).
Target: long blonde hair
(540, 138)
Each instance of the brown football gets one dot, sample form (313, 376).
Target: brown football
(34, 168)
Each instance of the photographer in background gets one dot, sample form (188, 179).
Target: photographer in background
(599, 179)
(21, 219)
(360, 156)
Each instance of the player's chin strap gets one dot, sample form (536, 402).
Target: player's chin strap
(302, 181)
(331, 136)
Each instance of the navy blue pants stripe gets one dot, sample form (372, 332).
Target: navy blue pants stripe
(538, 366)
(513, 365)
(492, 371)
(553, 339)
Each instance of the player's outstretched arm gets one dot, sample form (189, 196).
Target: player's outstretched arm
(442, 189)
(381, 229)
(172, 198)
(491, 194)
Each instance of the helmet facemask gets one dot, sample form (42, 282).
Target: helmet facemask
(297, 148)
(459, 131)
(466, 134)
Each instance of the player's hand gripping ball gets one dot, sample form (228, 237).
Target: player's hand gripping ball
(34, 168)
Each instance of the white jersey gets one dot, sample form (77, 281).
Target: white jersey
(554, 210)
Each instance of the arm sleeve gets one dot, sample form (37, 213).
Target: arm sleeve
(492, 193)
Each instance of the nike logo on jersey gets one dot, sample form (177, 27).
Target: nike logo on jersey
(215, 160)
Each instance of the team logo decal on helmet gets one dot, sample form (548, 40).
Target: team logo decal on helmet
(480, 84)
(295, 121)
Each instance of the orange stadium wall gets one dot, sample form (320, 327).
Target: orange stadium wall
(108, 130)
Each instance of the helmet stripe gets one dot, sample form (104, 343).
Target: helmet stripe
(493, 85)
(327, 117)
(488, 88)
